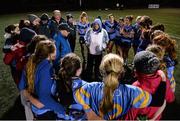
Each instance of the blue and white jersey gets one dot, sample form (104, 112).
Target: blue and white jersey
(128, 30)
(118, 28)
(170, 66)
(89, 95)
(111, 29)
(82, 28)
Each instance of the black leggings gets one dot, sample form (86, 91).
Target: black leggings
(82, 44)
(93, 61)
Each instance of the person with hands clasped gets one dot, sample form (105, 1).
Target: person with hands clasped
(96, 40)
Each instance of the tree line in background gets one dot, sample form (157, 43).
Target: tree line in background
(7, 6)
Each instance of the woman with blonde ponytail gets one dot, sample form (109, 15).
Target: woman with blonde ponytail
(111, 68)
(110, 99)
(37, 82)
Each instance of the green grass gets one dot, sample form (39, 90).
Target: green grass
(169, 17)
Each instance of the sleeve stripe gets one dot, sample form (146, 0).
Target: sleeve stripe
(139, 97)
(80, 99)
(118, 110)
(84, 92)
(146, 100)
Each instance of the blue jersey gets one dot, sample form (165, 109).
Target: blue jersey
(89, 95)
(128, 29)
(170, 75)
(111, 29)
(137, 31)
(118, 27)
(143, 44)
(169, 61)
(118, 34)
(82, 28)
(170, 66)
(137, 34)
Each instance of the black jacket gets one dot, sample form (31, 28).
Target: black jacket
(53, 26)
(44, 30)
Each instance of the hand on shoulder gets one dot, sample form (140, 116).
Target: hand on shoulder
(162, 74)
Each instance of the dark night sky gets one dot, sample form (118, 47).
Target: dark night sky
(26, 5)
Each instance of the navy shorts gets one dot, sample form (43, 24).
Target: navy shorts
(118, 41)
(113, 40)
(125, 43)
(81, 40)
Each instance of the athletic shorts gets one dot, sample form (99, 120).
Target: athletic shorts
(113, 40)
(118, 41)
(125, 43)
(81, 40)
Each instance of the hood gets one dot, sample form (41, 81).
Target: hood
(32, 17)
(26, 35)
(44, 16)
(98, 21)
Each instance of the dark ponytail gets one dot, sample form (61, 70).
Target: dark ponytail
(69, 66)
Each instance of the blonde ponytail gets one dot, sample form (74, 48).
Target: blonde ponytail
(42, 51)
(110, 84)
(111, 68)
(30, 70)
